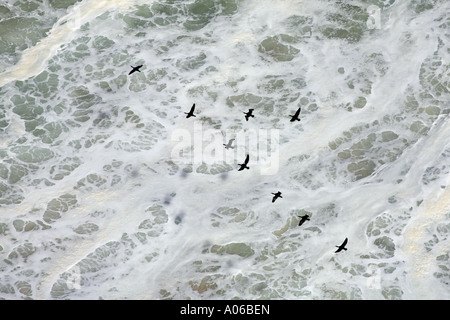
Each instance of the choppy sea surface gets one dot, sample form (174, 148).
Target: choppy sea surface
(108, 191)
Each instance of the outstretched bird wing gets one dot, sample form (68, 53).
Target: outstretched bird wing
(295, 116)
(135, 69)
(192, 108)
(302, 219)
(342, 246)
(246, 160)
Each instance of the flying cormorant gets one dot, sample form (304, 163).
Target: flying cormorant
(342, 246)
(135, 69)
(249, 114)
(295, 116)
(276, 196)
(191, 112)
(244, 165)
(228, 145)
(303, 219)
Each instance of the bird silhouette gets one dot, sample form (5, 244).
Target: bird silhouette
(135, 69)
(228, 145)
(191, 112)
(303, 219)
(295, 116)
(276, 196)
(244, 165)
(342, 246)
(249, 114)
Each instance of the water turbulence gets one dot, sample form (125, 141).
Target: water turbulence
(108, 190)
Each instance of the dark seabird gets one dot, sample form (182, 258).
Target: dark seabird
(135, 69)
(303, 219)
(244, 165)
(228, 145)
(276, 196)
(249, 114)
(295, 116)
(342, 246)
(191, 112)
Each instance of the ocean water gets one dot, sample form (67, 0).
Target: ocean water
(108, 191)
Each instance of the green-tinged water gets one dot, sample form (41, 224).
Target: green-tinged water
(108, 190)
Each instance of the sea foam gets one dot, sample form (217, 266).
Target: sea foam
(108, 191)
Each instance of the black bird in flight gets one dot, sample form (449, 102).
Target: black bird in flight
(244, 165)
(228, 145)
(342, 246)
(295, 116)
(191, 112)
(276, 196)
(303, 219)
(249, 114)
(135, 69)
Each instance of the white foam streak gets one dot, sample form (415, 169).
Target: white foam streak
(170, 255)
(33, 60)
(436, 205)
